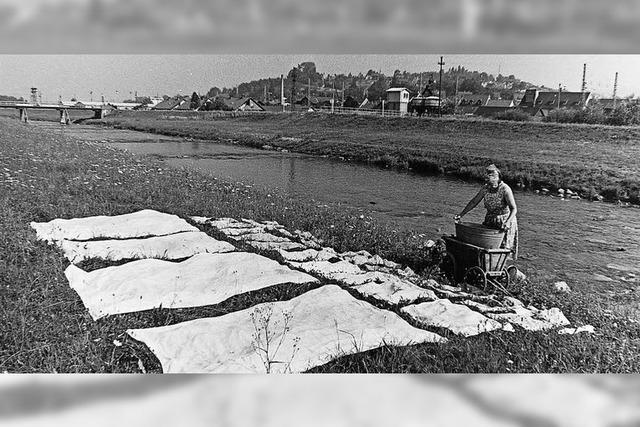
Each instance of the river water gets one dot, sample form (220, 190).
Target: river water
(573, 240)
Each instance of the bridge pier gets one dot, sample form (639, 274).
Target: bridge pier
(23, 115)
(64, 116)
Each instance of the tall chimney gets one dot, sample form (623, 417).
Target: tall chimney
(615, 89)
(584, 83)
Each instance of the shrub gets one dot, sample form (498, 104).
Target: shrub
(611, 193)
(591, 115)
(513, 115)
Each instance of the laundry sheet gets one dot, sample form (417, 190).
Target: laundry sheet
(457, 318)
(203, 279)
(143, 223)
(172, 246)
(323, 324)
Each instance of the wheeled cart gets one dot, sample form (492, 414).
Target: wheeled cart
(467, 264)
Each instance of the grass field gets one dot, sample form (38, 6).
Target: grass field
(589, 159)
(45, 328)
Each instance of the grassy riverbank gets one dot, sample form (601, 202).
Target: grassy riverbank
(590, 159)
(44, 327)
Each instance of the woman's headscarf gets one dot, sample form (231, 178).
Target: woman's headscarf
(493, 168)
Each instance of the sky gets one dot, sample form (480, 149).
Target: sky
(117, 77)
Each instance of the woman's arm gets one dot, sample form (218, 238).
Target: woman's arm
(511, 202)
(472, 203)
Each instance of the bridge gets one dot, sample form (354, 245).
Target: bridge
(99, 109)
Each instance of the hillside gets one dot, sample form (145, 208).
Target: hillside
(373, 84)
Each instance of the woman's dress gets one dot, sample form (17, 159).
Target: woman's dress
(497, 213)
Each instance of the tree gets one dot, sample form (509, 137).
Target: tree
(378, 90)
(216, 104)
(195, 101)
(471, 85)
(353, 91)
(213, 92)
(350, 102)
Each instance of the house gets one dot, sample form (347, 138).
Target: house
(473, 100)
(185, 105)
(397, 100)
(370, 105)
(469, 103)
(317, 101)
(608, 104)
(172, 103)
(517, 96)
(537, 99)
(126, 105)
(243, 104)
(502, 103)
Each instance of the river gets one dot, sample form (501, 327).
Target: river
(582, 242)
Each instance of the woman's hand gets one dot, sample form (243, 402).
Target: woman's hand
(457, 218)
(505, 227)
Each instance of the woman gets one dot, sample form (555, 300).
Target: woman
(501, 208)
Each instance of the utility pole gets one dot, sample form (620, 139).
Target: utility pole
(333, 95)
(282, 91)
(584, 83)
(293, 91)
(441, 63)
(558, 103)
(309, 94)
(615, 89)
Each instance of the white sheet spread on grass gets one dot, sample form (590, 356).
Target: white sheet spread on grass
(201, 280)
(173, 246)
(325, 323)
(138, 224)
(459, 319)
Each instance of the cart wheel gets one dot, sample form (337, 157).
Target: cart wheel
(507, 276)
(476, 276)
(448, 267)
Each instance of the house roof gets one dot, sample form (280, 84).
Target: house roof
(475, 99)
(549, 99)
(236, 103)
(168, 104)
(398, 89)
(369, 105)
(500, 103)
(315, 100)
(184, 105)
